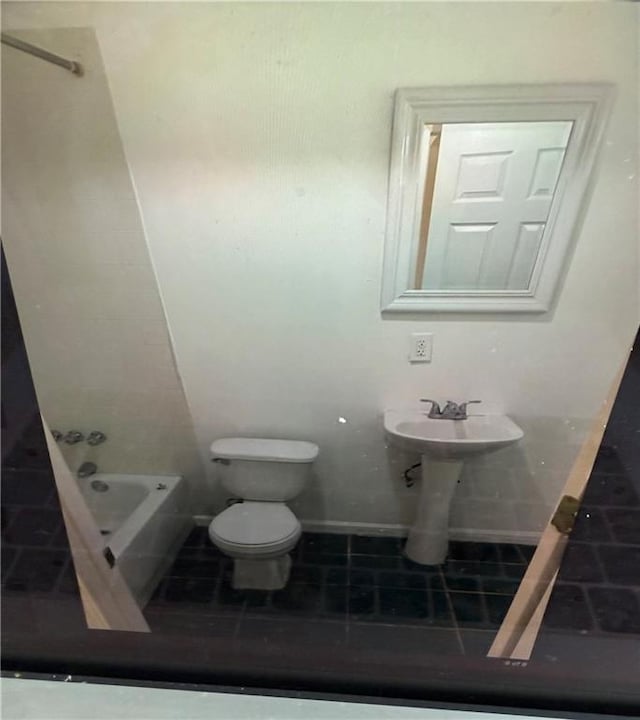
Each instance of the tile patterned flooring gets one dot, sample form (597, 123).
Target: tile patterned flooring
(598, 587)
(593, 617)
(360, 587)
(351, 581)
(354, 586)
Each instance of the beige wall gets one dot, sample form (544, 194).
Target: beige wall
(258, 138)
(87, 297)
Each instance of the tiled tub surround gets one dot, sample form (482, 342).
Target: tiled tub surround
(344, 582)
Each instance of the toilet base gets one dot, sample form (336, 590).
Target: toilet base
(270, 574)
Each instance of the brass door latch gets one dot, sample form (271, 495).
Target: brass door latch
(565, 515)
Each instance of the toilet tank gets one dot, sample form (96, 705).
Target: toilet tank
(263, 469)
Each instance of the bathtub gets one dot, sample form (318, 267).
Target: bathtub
(143, 522)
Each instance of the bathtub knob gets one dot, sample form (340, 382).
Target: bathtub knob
(161, 486)
(96, 437)
(73, 437)
(57, 435)
(87, 469)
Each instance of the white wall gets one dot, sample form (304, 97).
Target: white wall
(87, 297)
(258, 138)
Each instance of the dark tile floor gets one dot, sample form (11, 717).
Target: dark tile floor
(598, 588)
(351, 584)
(35, 552)
(350, 580)
(348, 585)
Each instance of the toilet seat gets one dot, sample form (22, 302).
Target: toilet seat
(255, 528)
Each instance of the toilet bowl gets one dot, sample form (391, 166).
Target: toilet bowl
(259, 530)
(258, 536)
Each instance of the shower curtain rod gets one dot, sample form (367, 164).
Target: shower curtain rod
(70, 65)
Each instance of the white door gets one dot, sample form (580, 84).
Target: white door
(492, 195)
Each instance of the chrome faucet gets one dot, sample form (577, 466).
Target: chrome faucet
(435, 411)
(451, 410)
(87, 469)
(96, 437)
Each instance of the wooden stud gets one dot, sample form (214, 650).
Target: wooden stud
(427, 201)
(522, 622)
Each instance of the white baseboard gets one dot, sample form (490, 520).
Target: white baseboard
(355, 528)
(522, 537)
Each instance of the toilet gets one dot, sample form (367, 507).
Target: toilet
(259, 531)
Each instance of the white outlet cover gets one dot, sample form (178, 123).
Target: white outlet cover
(421, 347)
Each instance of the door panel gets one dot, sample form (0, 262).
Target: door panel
(466, 254)
(481, 176)
(524, 256)
(501, 175)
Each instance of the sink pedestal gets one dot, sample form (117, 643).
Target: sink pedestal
(444, 445)
(428, 540)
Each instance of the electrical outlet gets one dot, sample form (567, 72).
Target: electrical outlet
(421, 347)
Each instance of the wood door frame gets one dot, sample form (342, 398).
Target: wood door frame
(435, 136)
(519, 630)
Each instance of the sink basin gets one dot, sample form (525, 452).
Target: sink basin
(444, 446)
(450, 439)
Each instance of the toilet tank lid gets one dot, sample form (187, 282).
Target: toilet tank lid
(265, 450)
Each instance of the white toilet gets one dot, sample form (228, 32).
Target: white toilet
(259, 532)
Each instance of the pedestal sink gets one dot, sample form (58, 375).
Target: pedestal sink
(444, 446)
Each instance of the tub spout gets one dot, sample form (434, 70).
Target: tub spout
(87, 469)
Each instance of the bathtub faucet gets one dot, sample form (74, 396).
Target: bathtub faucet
(87, 469)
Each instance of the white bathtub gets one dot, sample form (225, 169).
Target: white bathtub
(143, 521)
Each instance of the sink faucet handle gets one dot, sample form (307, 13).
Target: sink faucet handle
(463, 406)
(452, 411)
(435, 407)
